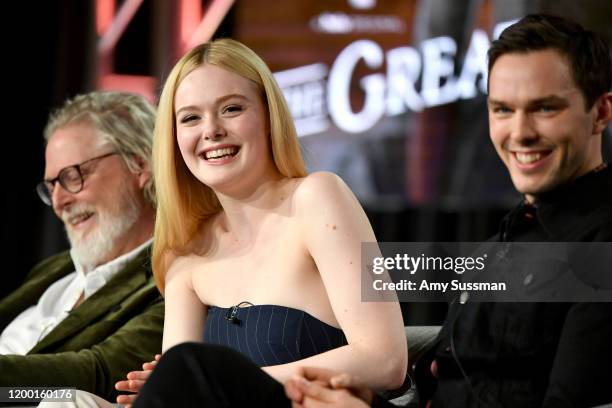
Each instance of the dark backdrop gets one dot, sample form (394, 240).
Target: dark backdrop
(47, 56)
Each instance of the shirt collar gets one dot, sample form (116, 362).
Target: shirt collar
(559, 210)
(580, 191)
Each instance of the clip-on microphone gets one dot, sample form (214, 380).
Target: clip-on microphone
(230, 316)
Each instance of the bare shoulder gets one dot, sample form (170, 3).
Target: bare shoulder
(181, 264)
(324, 203)
(320, 180)
(179, 270)
(322, 189)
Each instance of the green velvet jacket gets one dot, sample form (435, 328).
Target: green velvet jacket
(113, 332)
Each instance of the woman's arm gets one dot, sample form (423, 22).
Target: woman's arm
(333, 226)
(185, 314)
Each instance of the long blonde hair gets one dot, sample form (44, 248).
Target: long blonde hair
(183, 202)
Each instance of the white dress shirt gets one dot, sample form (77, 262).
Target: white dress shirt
(34, 323)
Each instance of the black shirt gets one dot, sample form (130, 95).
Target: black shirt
(535, 354)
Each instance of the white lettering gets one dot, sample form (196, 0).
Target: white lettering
(338, 95)
(403, 68)
(474, 65)
(389, 263)
(415, 264)
(314, 99)
(439, 66)
(377, 267)
(433, 286)
(401, 285)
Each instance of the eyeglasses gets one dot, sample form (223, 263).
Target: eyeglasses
(71, 178)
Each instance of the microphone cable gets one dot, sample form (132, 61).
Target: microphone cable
(463, 298)
(230, 316)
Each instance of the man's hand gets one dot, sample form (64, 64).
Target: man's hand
(434, 371)
(319, 387)
(135, 381)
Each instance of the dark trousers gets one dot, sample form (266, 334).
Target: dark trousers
(209, 376)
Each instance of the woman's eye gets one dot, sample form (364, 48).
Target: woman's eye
(232, 109)
(188, 118)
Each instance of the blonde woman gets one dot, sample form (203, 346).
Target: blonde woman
(256, 259)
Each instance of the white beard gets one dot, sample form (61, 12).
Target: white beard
(112, 224)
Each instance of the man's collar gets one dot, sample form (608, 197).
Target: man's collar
(558, 211)
(581, 191)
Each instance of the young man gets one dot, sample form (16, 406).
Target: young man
(86, 317)
(549, 102)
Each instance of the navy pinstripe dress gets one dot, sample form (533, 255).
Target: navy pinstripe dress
(270, 334)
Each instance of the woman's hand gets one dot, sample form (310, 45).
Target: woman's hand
(319, 387)
(135, 381)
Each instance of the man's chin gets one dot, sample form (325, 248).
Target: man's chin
(82, 241)
(90, 250)
(77, 238)
(83, 230)
(533, 189)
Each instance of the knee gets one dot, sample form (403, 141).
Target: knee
(180, 354)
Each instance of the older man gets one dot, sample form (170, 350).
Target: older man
(549, 102)
(86, 317)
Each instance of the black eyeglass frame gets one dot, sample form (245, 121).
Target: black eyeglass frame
(46, 187)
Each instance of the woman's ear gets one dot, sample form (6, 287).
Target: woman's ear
(603, 113)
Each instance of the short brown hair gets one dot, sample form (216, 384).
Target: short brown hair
(587, 54)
